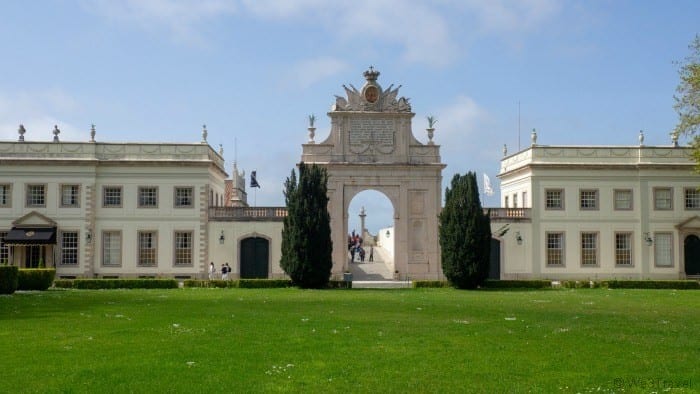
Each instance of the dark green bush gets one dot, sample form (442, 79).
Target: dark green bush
(8, 279)
(35, 278)
(63, 283)
(94, 284)
(216, 283)
(431, 283)
(518, 284)
(652, 284)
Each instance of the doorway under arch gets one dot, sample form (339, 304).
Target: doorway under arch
(371, 216)
(691, 250)
(255, 258)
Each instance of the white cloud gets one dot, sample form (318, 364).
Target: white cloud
(184, 19)
(311, 71)
(464, 116)
(511, 15)
(35, 110)
(419, 29)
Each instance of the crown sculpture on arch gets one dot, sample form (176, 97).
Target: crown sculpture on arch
(371, 97)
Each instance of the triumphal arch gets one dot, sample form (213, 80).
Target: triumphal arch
(371, 147)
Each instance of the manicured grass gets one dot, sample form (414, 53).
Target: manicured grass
(290, 340)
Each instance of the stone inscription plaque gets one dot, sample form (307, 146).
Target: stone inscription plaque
(376, 133)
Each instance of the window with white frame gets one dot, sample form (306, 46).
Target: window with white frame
(148, 197)
(112, 248)
(555, 248)
(589, 248)
(588, 199)
(4, 249)
(184, 197)
(524, 199)
(69, 247)
(663, 249)
(112, 196)
(515, 200)
(147, 247)
(623, 199)
(5, 195)
(36, 195)
(505, 201)
(663, 198)
(692, 198)
(623, 248)
(70, 196)
(183, 247)
(554, 199)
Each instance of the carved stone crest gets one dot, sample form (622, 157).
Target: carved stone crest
(371, 98)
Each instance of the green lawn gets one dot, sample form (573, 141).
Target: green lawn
(289, 340)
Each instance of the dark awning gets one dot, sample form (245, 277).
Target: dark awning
(31, 236)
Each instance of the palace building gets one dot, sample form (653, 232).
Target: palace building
(103, 209)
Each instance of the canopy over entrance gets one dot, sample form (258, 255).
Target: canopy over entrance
(31, 236)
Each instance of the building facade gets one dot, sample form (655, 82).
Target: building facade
(596, 212)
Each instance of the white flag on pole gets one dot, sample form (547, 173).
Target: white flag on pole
(487, 186)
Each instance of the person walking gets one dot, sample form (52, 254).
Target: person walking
(212, 271)
(371, 254)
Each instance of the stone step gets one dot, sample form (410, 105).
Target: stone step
(380, 284)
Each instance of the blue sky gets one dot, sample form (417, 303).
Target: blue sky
(584, 72)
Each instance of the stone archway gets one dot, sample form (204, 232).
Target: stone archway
(371, 146)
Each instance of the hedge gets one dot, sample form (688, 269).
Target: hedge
(36, 278)
(256, 283)
(8, 279)
(518, 284)
(652, 284)
(93, 284)
(430, 284)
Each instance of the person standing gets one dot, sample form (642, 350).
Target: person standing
(212, 270)
(371, 254)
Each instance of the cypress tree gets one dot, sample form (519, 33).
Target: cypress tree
(465, 234)
(306, 236)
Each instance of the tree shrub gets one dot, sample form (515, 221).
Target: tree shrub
(652, 284)
(518, 284)
(8, 279)
(35, 278)
(306, 236)
(465, 234)
(430, 284)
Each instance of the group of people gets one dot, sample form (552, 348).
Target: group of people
(355, 248)
(225, 270)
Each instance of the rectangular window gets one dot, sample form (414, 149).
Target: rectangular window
(148, 197)
(692, 198)
(112, 196)
(554, 199)
(183, 248)
(555, 248)
(506, 201)
(112, 248)
(184, 197)
(524, 199)
(588, 199)
(6, 195)
(589, 248)
(663, 198)
(36, 195)
(623, 248)
(663, 249)
(4, 249)
(623, 199)
(147, 244)
(70, 196)
(69, 247)
(515, 200)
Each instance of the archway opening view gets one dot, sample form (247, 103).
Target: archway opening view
(371, 237)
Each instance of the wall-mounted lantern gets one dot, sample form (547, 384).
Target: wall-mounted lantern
(648, 239)
(518, 238)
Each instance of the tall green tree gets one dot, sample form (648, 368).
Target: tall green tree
(306, 236)
(688, 98)
(465, 234)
